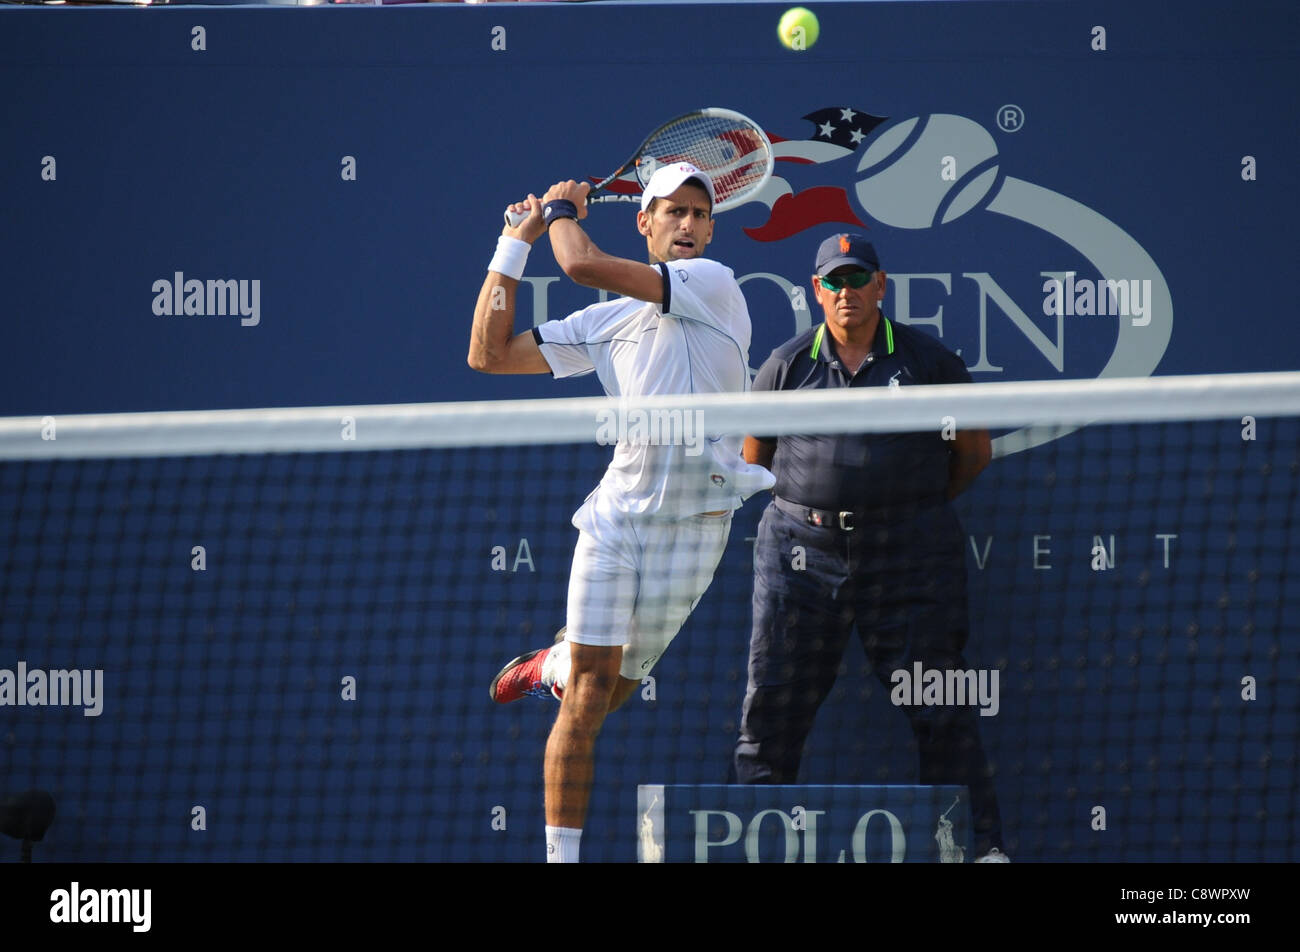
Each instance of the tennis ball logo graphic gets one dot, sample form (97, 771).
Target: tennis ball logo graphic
(798, 28)
(927, 171)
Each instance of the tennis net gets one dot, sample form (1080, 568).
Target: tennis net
(267, 635)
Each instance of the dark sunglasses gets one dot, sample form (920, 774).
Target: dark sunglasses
(855, 279)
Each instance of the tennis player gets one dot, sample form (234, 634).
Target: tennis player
(653, 531)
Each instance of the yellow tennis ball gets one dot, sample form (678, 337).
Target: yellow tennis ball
(798, 29)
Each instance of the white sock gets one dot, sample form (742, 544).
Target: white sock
(562, 844)
(555, 669)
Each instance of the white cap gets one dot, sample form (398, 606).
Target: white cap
(669, 178)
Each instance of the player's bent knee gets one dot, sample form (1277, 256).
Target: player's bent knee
(593, 680)
(594, 663)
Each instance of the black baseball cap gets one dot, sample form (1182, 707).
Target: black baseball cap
(840, 250)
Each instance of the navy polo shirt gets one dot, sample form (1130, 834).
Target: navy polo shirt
(861, 471)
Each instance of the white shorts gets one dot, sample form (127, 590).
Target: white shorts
(634, 582)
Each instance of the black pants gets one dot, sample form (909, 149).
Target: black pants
(902, 584)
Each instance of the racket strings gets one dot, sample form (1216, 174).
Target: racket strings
(736, 156)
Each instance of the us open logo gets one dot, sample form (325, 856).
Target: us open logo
(927, 172)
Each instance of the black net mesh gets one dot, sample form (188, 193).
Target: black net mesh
(287, 657)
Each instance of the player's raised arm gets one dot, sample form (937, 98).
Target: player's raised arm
(580, 259)
(494, 347)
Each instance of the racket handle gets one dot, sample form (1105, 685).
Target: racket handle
(514, 218)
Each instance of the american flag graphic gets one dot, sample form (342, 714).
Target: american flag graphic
(837, 131)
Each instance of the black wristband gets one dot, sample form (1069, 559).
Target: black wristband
(559, 208)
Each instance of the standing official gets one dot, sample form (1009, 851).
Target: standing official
(881, 548)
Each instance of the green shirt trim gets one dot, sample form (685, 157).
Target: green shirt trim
(821, 332)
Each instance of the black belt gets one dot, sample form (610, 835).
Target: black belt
(823, 518)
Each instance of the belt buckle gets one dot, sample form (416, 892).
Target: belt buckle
(846, 521)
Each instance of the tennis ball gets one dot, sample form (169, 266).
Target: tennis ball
(909, 188)
(798, 29)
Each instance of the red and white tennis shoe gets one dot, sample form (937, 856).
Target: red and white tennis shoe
(527, 676)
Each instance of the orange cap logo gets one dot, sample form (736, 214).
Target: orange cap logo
(844, 244)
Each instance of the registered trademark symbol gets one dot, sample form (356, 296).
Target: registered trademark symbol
(1011, 118)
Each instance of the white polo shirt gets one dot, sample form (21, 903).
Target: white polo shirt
(697, 341)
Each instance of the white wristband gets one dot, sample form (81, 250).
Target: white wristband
(510, 257)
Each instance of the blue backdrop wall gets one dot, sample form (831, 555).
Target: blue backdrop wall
(352, 165)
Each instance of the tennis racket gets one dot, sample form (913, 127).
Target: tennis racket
(730, 147)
